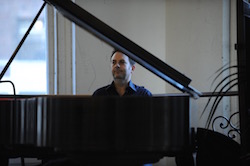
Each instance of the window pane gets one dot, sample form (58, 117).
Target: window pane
(28, 69)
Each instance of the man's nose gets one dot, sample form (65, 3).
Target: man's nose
(117, 65)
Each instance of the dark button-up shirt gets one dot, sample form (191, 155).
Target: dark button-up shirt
(131, 90)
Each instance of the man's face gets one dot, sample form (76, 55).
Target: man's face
(121, 67)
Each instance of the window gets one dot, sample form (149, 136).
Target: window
(28, 71)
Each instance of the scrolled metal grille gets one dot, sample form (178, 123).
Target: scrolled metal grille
(233, 129)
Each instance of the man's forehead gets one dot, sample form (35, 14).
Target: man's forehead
(119, 56)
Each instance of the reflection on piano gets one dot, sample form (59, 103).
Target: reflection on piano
(99, 129)
(127, 129)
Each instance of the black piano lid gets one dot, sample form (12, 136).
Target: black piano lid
(104, 32)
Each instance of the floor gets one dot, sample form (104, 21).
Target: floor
(28, 162)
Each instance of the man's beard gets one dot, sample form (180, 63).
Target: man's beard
(118, 74)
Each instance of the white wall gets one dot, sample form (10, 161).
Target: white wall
(187, 35)
(194, 38)
(144, 22)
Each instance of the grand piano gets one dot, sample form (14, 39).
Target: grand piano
(94, 130)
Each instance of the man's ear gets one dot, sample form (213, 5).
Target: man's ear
(133, 67)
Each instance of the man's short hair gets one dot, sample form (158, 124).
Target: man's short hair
(131, 61)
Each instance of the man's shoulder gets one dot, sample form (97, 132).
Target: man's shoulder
(141, 90)
(101, 91)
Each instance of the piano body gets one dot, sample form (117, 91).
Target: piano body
(130, 129)
(99, 129)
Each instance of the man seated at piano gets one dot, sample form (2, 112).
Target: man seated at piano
(122, 69)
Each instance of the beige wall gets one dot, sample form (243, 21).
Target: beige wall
(144, 22)
(187, 35)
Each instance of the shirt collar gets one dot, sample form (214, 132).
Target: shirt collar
(130, 85)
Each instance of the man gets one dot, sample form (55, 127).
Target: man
(122, 69)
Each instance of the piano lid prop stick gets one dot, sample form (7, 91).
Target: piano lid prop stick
(21, 42)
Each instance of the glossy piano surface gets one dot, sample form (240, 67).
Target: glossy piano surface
(146, 126)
